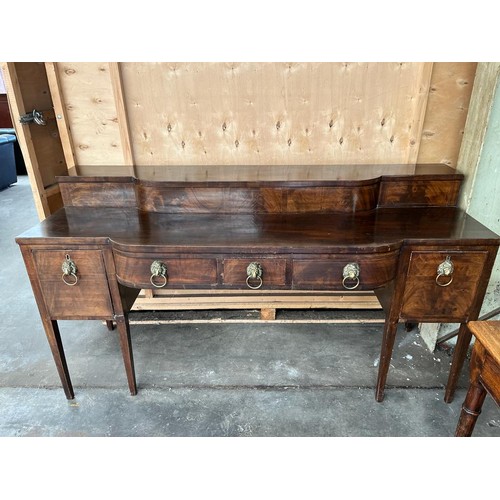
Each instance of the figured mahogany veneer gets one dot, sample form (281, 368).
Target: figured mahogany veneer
(315, 192)
(302, 232)
(324, 272)
(134, 271)
(448, 303)
(89, 298)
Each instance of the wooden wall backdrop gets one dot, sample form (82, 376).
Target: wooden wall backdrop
(134, 118)
(447, 107)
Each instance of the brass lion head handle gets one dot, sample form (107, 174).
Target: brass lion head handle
(69, 270)
(445, 269)
(351, 276)
(254, 275)
(158, 274)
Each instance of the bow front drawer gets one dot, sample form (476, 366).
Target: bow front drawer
(344, 271)
(162, 271)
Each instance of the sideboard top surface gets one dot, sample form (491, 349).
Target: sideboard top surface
(378, 230)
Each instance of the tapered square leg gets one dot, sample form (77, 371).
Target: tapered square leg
(54, 337)
(126, 347)
(388, 339)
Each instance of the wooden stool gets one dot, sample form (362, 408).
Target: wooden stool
(484, 373)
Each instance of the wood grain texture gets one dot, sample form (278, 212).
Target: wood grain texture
(312, 194)
(274, 113)
(450, 303)
(53, 79)
(250, 113)
(420, 192)
(255, 198)
(116, 83)
(116, 192)
(191, 299)
(91, 111)
(89, 298)
(447, 108)
(488, 334)
(181, 272)
(326, 272)
(234, 271)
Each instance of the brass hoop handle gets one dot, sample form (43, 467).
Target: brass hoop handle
(443, 284)
(254, 272)
(445, 269)
(69, 268)
(256, 287)
(158, 270)
(64, 278)
(350, 272)
(160, 285)
(350, 287)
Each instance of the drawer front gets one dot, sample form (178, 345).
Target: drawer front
(88, 298)
(135, 271)
(234, 272)
(448, 303)
(327, 272)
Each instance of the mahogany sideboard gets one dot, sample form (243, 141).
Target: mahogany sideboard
(392, 229)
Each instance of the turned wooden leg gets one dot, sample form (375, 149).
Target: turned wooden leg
(126, 347)
(385, 357)
(471, 409)
(110, 325)
(56, 346)
(463, 342)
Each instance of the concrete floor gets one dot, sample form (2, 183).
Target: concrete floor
(212, 379)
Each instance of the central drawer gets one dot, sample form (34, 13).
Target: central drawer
(326, 272)
(273, 271)
(136, 271)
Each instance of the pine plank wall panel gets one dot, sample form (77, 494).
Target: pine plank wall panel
(263, 114)
(91, 112)
(275, 113)
(447, 108)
